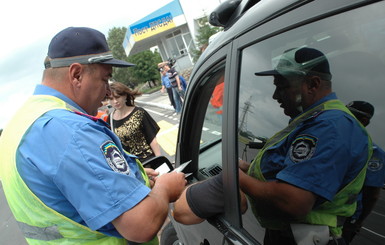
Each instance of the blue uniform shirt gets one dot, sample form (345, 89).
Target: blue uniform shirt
(166, 81)
(77, 167)
(321, 155)
(375, 175)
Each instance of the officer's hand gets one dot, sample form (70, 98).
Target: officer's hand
(173, 182)
(152, 174)
(243, 165)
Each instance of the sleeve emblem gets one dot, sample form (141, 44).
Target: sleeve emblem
(115, 158)
(302, 148)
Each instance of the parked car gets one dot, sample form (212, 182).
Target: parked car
(229, 112)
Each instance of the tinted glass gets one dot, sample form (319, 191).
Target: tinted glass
(210, 159)
(354, 45)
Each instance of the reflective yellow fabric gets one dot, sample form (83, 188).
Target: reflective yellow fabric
(39, 223)
(328, 212)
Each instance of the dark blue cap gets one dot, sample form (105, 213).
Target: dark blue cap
(80, 45)
(361, 108)
(300, 61)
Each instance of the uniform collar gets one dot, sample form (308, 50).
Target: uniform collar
(45, 90)
(331, 96)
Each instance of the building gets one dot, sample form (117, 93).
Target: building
(172, 28)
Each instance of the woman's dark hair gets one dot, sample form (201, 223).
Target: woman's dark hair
(122, 90)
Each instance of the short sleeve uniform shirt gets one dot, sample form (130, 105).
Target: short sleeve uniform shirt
(322, 154)
(77, 167)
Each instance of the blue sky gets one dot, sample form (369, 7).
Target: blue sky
(28, 26)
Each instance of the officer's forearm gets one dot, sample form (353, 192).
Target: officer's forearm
(141, 223)
(278, 196)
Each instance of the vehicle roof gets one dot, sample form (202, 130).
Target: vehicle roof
(257, 14)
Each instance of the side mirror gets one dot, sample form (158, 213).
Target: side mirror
(222, 14)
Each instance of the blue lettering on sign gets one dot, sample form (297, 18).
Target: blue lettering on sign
(152, 24)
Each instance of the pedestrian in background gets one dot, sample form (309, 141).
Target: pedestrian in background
(173, 77)
(65, 174)
(166, 85)
(133, 125)
(104, 110)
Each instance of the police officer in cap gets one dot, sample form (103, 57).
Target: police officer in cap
(303, 183)
(375, 175)
(65, 174)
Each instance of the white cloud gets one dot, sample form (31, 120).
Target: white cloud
(28, 26)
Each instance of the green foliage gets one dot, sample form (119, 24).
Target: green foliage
(202, 38)
(146, 68)
(115, 40)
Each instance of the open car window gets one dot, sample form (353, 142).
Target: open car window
(210, 159)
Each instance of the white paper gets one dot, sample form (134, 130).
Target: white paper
(162, 169)
(181, 167)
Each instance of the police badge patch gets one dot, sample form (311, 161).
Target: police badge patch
(302, 148)
(375, 164)
(115, 158)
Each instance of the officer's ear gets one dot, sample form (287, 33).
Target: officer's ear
(76, 73)
(313, 83)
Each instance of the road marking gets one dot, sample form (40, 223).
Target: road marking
(374, 212)
(167, 136)
(375, 233)
(158, 113)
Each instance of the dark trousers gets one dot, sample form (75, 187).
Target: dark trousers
(273, 237)
(171, 96)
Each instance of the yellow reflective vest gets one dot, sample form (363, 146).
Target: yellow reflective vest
(328, 213)
(39, 223)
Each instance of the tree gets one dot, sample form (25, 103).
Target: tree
(146, 69)
(115, 40)
(202, 38)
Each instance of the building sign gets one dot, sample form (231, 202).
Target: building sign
(152, 27)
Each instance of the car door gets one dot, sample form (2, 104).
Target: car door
(351, 36)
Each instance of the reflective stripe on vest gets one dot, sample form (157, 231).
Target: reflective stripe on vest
(39, 223)
(328, 213)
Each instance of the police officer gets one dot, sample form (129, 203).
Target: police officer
(65, 175)
(305, 179)
(310, 172)
(375, 175)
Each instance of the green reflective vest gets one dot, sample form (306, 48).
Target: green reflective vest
(39, 223)
(328, 213)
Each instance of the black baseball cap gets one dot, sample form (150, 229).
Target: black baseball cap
(361, 108)
(300, 61)
(80, 45)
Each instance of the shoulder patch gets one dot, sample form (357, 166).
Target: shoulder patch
(302, 148)
(375, 164)
(114, 158)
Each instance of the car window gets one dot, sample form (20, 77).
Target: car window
(355, 50)
(210, 158)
